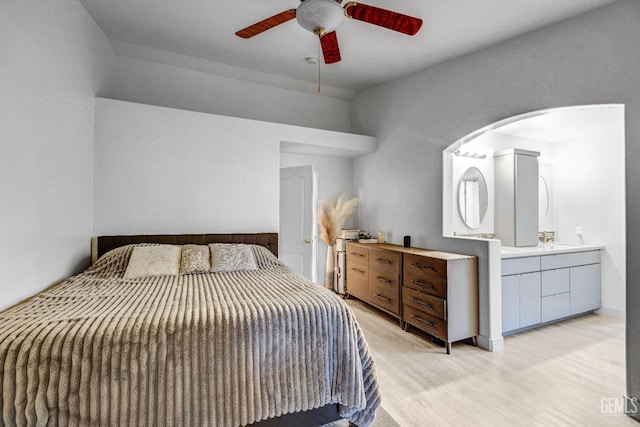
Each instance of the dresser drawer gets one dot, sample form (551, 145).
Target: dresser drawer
(357, 253)
(425, 322)
(385, 297)
(357, 286)
(356, 269)
(357, 279)
(424, 302)
(385, 278)
(420, 264)
(428, 283)
(386, 260)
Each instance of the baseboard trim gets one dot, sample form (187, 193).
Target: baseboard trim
(490, 344)
(612, 312)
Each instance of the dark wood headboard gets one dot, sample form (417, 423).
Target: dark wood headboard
(103, 244)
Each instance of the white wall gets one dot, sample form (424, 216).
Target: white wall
(162, 170)
(334, 176)
(591, 59)
(153, 83)
(54, 60)
(589, 192)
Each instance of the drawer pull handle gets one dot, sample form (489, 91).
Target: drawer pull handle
(424, 285)
(358, 271)
(384, 261)
(383, 280)
(382, 298)
(428, 267)
(417, 301)
(426, 322)
(356, 254)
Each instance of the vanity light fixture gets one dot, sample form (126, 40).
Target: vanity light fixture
(468, 154)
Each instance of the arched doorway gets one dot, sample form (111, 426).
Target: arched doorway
(582, 169)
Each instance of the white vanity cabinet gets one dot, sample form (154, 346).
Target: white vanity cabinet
(516, 211)
(546, 288)
(520, 301)
(585, 288)
(521, 293)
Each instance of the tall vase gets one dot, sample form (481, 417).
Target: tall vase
(328, 270)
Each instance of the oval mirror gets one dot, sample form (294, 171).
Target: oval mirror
(472, 197)
(543, 200)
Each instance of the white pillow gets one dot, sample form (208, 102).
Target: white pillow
(231, 257)
(156, 260)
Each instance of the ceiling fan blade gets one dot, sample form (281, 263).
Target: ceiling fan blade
(330, 49)
(266, 24)
(385, 18)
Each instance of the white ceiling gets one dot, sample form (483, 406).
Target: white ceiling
(202, 32)
(562, 124)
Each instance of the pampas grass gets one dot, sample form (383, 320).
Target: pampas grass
(332, 215)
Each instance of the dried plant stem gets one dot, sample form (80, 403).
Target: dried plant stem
(332, 215)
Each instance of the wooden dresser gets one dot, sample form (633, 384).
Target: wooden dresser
(374, 275)
(436, 292)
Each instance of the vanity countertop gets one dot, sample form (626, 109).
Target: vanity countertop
(545, 249)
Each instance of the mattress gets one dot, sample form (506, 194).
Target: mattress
(224, 349)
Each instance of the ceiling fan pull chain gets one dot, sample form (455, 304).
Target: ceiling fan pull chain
(319, 56)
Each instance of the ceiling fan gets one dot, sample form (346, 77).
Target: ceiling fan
(322, 17)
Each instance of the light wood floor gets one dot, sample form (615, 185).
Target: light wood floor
(557, 375)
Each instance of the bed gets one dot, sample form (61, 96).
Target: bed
(225, 348)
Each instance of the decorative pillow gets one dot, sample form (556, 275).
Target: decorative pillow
(156, 260)
(264, 257)
(231, 257)
(195, 259)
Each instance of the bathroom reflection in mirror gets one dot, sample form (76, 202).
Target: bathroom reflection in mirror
(543, 199)
(472, 197)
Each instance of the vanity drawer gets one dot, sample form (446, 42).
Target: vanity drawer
(385, 278)
(549, 262)
(424, 302)
(385, 260)
(385, 297)
(555, 281)
(556, 307)
(426, 265)
(425, 322)
(520, 265)
(357, 254)
(428, 283)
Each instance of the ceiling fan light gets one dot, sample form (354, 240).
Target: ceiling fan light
(320, 15)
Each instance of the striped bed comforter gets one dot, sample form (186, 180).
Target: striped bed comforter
(223, 349)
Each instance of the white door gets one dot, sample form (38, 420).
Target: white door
(296, 246)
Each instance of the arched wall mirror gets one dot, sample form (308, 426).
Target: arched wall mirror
(472, 197)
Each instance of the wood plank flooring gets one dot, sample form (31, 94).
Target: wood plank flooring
(557, 375)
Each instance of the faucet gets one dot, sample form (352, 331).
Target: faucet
(546, 237)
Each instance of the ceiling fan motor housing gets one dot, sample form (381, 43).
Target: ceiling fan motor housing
(320, 16)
